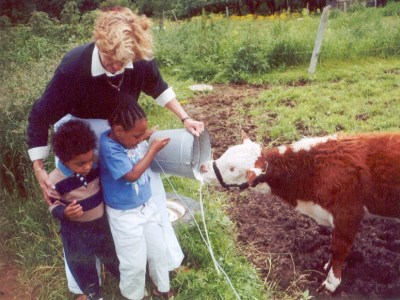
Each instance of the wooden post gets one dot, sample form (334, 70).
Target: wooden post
(227, 11)
(318, 40)
(173, 13)
(161, 23)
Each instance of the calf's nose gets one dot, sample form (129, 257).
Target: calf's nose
(251, 176)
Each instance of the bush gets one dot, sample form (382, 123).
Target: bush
(5, 22)
(70, 13)
(14, 159)
(391, 9)
(40, 23)
(248, 59)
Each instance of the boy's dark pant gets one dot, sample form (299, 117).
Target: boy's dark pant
(83, 241)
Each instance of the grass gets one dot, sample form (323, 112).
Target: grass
(348, 96)
(214, 48)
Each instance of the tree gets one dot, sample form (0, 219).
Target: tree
(17, 11)
(124, 3)
(70, 13)
(154, 7)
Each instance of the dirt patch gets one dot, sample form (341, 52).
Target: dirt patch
(285, 246)
(10, 287)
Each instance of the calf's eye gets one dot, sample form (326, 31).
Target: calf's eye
(232, 169)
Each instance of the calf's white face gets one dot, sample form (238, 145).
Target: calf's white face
(233, 164)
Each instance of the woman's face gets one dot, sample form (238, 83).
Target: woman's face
(82, 163)
(110, 65)
(130, 138)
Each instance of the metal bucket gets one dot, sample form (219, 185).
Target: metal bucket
(184, 153)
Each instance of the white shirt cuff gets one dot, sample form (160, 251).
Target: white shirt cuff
(39, 152)
(165, 97)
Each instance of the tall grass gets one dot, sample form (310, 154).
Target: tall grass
(219, 49)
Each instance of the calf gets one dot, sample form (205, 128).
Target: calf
(336, 180)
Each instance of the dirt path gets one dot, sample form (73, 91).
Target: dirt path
(285, 246)
(10, 287)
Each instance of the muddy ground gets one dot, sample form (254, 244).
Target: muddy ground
(285, 246)
(10, 287)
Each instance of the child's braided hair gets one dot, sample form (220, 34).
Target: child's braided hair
(126, 113)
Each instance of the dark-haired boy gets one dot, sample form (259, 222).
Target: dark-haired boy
(84, 227)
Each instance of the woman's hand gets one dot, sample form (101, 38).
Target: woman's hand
(194, 127)
(48, 189)
(73, 211)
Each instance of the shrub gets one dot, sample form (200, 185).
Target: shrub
(70, 13)
(391, 9)
(13, 159)
(40, 23)
(248, 59)
(5, 22)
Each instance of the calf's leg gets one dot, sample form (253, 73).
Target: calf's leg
(346, 226)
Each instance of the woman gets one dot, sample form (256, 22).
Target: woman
(85, 86)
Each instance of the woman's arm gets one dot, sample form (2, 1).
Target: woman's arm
(193, 126)
(48, 189)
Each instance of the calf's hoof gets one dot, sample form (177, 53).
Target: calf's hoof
(330, 284)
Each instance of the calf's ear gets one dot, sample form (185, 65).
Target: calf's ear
(245, 136)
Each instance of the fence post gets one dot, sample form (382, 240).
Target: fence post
(318, 40)
(161, 21)
(173, 13)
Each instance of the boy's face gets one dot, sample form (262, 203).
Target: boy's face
(130, 138)
(81, 163)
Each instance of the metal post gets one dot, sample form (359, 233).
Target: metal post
(318, 41)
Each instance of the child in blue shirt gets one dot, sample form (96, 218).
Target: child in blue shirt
(134, 218)
(84, 227)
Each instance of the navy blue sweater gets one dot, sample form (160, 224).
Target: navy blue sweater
(73, 90)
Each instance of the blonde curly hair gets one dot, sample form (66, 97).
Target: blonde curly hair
(123, 36)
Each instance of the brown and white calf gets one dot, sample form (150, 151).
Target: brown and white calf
(337, 180)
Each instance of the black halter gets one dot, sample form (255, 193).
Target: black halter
(223, 184)
(242, 186)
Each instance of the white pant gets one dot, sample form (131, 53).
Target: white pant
(139, 238)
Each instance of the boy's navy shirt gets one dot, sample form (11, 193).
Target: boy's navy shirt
(70, 183)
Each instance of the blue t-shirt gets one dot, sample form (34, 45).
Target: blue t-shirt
(115, 162)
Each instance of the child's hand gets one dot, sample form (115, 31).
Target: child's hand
(159, 143)
(73, 211)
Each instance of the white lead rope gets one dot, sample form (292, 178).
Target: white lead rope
(206, 241)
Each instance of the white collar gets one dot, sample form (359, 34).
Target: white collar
(98, 69)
